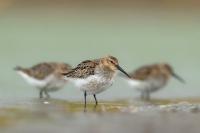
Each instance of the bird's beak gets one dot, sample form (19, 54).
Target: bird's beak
(178, 78)
(122, 70)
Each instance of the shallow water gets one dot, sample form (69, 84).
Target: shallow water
(33, 115)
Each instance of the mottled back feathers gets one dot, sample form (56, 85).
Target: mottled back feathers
(152, 71)
(42, 70)
(83, 70)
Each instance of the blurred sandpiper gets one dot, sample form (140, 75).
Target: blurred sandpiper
(45, 76)
(151, 78)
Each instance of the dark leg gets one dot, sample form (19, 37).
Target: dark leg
(85, 100)
(96, 102)
(146, 95)
(46, 93)
(41, 93)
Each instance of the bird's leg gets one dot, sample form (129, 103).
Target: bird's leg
(142, 95)
(96, 102)
(145, 95)
(46, 93)
(85, 101)
(41, 93)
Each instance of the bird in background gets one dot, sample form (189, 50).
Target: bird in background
(94, 76)
(151, 78)
(46, 77)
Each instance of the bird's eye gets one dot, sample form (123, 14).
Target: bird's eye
(112, 62)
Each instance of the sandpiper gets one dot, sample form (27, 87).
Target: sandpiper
(45, 76)
(151, 78)
(94, 76)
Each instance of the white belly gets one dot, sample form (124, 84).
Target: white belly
(93, 84)
(56, 84)
(32, 81)
(51, 83)
(147, 85)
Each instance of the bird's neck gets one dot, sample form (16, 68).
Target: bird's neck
(105, 72)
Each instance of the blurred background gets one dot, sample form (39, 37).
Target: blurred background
(137, 32)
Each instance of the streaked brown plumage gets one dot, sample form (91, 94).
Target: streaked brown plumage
(94, 76)
(42, 70)
(87, 68)
(151, 78)
(45, 76)
(150, 71)
(83, 70)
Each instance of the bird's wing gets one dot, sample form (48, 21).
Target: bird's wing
(83, 70)
(42, 70)
(142, 73)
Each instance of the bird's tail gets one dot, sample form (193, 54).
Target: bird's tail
(18, 68)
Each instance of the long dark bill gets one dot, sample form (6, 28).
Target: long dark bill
(122, 70)
(178, 78)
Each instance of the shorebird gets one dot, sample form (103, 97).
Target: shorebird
(46, 77)
(94, 76)
(151, 78)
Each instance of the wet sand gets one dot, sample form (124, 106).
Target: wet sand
(134, 116)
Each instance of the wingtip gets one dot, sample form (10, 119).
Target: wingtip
(64, 74)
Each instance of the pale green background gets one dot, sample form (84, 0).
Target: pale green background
(29, 36)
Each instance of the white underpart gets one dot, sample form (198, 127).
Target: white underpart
(51, 83)
(56, 84)
(150, 85)
(94, 84)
